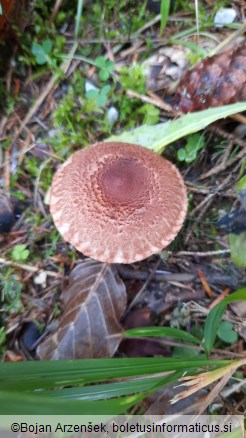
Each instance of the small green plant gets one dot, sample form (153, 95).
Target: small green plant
(151, 114)
(194, 143)
(10, 292)
(133, 77)
(42, 51)
(100, 97)
(20, 252)
(106, 67)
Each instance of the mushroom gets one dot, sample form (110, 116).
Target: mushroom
(118, 202)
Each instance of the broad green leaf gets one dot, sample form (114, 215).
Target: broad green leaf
(41, 52)
(158, 136)
(101, 62)
(226, 333)
(105, 90)
(47, 46)
(92, 94)
(238, 249)
(103, 75)
(215, 315)
(27, 376)
(20, 252)
(101, 100)
(239, 295)
(211, 326)
(162, 331)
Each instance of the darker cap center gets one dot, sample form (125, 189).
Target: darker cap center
(124, 181)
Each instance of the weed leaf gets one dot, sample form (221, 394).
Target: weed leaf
(158, 136)
(41, 52)
(226, 333)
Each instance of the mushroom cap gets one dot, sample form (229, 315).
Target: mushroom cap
(118, 202)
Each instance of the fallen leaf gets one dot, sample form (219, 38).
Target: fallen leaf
(93, 304)
(159, 402)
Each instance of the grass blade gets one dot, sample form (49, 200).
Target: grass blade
(165, 7)
(32, 404)
(78, 18)
(162, 332)
(27, 376)
(105, 390)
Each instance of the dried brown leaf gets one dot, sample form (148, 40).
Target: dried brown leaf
(93, 304)
(159, 402)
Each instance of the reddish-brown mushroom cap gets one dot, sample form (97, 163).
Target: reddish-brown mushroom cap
(118, 202)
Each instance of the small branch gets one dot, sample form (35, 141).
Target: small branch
(52, 84)
(28, 267)
(199, 253)
(154, 101)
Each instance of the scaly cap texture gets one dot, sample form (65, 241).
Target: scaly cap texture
(118, 202)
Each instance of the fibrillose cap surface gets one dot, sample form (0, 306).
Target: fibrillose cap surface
(118, 202)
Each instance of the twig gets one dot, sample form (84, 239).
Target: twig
(225, 163)
(40, 170)
(27, 267)
(207, 190)
(203, 206)
(52, 85)
(55, 10)
(129, 273)
(239, 118)
(28, 149)
(232, 37)
(199, 253)
(157, 102)
(149, 24)
(6, 165)
(203, 203)
(139, 294)
(219, 298)
(230, 137)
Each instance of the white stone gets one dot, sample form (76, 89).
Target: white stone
(224, 16)
(113, 115)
